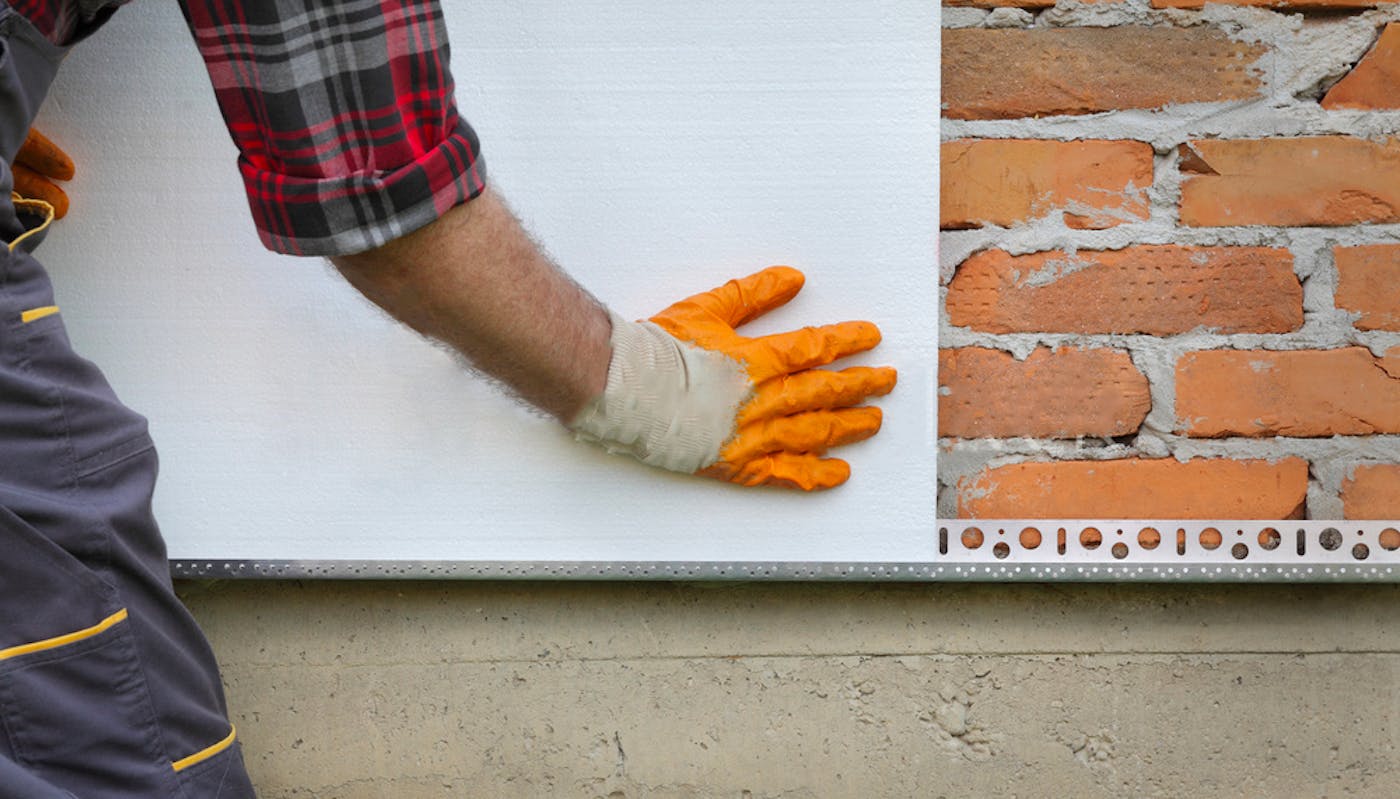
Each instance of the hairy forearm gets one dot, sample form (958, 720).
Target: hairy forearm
(683, 391)
(477, 282)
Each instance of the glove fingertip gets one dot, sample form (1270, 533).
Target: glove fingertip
(767, 289)
(864, 333)
(871, 332)
(858, 423)
(34, 186)
(830, 473)
(849, 338)
(891, 378)
(786, 274)
(807, 473)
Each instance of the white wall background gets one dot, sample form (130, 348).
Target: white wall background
(657, 149)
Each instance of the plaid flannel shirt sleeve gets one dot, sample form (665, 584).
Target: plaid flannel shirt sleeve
(64, 22)
(343, 114)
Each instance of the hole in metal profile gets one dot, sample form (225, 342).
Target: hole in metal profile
(1211, 538)
(1090, 538)
(1030, 538)
(1120, 550)
(971, 538)
(1060, 541)
(1361, 552)
(1001, 550)
(1330, 539)
(943, 540)
(1269, 538)
(1239, 551)
(1389, 539)
(1149, 538)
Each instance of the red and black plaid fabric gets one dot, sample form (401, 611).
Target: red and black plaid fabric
(53, 18)
(343, 112)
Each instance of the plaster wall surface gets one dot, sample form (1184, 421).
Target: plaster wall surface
(410, 690)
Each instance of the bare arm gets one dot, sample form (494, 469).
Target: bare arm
(683, 392)
(476, 281)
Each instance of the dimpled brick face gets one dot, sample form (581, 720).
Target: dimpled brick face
(1064, 393)
(999, 74)
(1088, 184)
(1158, 290)
(1198, 489)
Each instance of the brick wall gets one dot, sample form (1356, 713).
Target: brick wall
(1170, 259)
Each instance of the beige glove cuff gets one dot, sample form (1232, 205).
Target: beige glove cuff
(667, 403)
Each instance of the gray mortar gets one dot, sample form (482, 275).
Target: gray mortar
(1009, 18)
(964, 17)
(1055, 269)
(1307, 55)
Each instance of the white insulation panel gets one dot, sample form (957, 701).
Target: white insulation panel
(656, 149)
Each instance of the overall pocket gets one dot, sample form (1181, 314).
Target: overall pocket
(51, 397)
(33, 218)
(74, 709)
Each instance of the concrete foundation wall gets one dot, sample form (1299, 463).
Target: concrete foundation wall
(410, 690)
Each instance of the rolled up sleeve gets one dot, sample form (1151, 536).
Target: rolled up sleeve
(344, 117)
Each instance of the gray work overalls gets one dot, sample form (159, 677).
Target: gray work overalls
(107, 687)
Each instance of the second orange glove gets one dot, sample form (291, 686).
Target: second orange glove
(39, 163)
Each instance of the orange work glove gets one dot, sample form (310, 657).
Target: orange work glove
(688, 393)
(39, 163)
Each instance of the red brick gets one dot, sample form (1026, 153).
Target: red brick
(1004, 74)
(1306, 5)
(1095, 184)
(1372, 492)
(1138, 489)
(1308, 393)
(1318, 180)
(1369, 284)
(1027, 4)
(1159, 290)
(1065, 393)
(1375, 82)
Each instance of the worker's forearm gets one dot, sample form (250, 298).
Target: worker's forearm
(475, 280)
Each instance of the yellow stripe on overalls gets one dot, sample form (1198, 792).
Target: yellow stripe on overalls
(64, 640)
(32, 206)
(206, 753)
(97, 629)
(45, 210)
(35, 314)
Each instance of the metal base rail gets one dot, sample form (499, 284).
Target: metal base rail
(998, 550)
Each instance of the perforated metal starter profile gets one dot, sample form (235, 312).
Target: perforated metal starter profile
(1026, 550)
